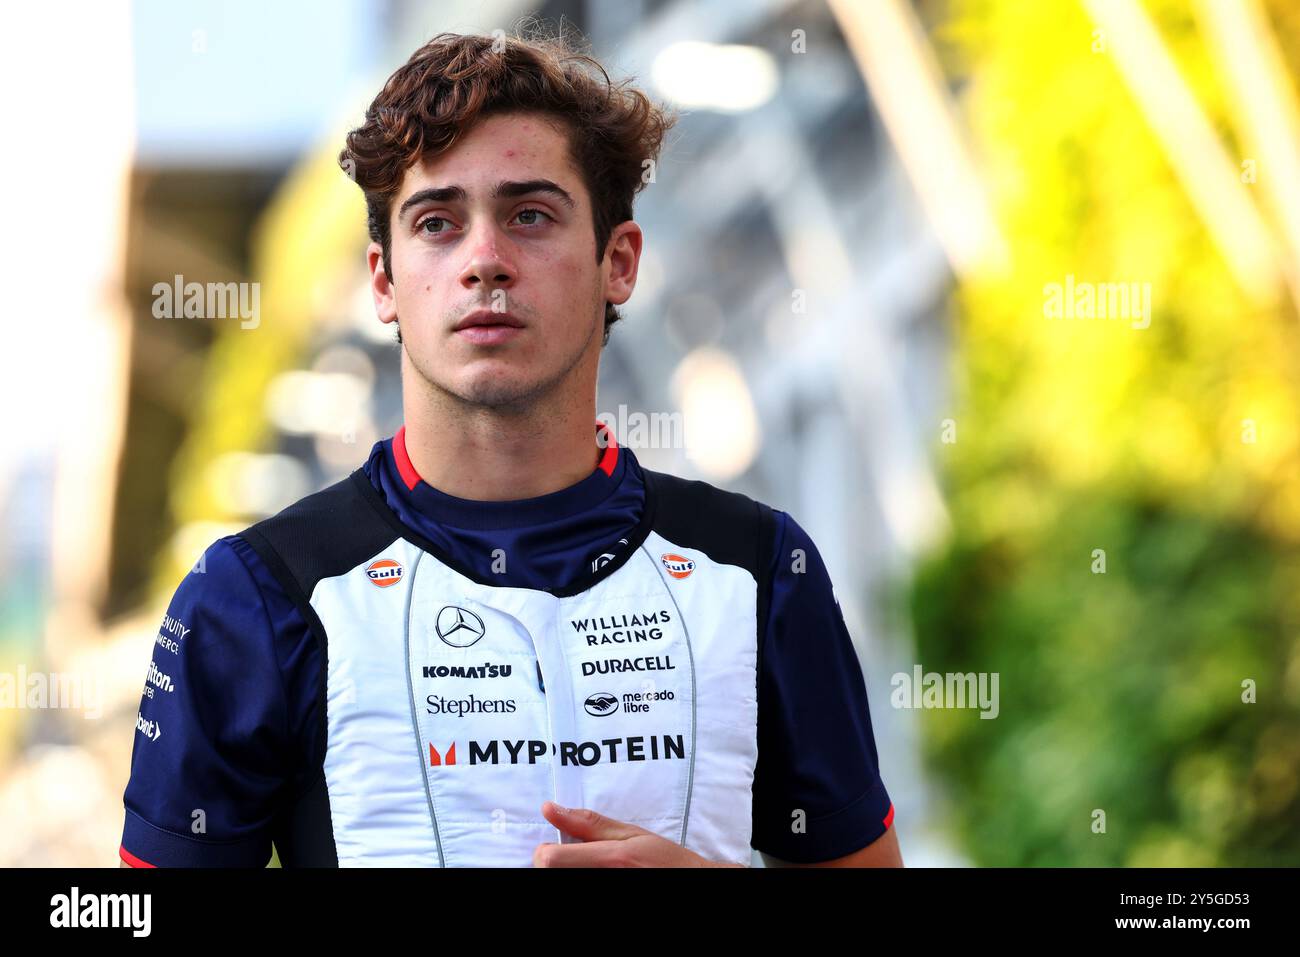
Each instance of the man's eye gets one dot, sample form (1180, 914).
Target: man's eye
(530, 209)
(432, 219)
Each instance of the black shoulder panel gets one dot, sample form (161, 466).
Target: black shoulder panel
(729, 527)
(322, 535)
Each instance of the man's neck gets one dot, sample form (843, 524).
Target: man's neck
(489, 456)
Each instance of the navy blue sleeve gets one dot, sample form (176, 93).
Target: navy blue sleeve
(818, 794)
(215, 739)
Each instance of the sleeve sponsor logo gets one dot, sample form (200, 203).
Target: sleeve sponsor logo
(171, 633)
(157, 679)
(149, 728)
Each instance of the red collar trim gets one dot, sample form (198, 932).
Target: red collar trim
(411, 477)
(610, 458)
(404, 467)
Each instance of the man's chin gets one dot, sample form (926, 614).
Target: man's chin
(495, 392)
(493, 384)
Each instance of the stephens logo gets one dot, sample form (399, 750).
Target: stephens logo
(601, 704)
(384, 572)
(678, 565)
(460, 707)
(458, 626)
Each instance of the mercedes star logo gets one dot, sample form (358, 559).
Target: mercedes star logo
(459, 627)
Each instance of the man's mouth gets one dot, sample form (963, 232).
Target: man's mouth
(486, 318)
(487, 328)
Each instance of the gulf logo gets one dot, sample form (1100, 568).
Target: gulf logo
(678, 566)
(384, 572)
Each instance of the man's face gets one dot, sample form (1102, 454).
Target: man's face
(499, 225)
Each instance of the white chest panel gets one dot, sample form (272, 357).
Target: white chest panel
(454, 709)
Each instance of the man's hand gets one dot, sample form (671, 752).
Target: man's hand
(610, 843)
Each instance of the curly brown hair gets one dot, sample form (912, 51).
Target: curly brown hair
(455, 80)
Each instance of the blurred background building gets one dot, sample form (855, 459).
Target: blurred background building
(852, 241)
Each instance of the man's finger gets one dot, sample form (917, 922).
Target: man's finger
(593, 854)
(588, 825)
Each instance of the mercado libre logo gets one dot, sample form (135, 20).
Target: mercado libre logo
(677, 565)
(384, 572)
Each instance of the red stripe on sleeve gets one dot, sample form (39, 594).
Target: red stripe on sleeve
(131, 859)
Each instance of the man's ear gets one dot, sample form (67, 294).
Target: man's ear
(622, 257)
(381, 287)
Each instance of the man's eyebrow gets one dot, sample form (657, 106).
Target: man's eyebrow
(508, 189)
(434, 194)
(512, 189)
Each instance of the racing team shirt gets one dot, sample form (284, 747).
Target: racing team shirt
(384, 674)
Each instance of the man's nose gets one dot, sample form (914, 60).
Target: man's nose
(489, 264)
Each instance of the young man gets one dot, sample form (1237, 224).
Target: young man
(502, 641)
